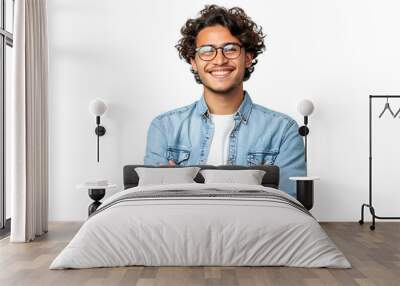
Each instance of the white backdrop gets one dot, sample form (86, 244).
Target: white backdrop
(335, 53)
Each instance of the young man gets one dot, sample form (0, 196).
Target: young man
(224, 126)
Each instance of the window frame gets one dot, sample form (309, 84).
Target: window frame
(6, 39)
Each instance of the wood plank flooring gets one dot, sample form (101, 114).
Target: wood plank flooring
(374, 255)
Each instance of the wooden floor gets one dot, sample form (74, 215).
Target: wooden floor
(374, 255)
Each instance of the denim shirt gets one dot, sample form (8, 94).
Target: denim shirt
(260, 136)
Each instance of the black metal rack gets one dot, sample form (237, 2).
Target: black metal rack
(369, 205)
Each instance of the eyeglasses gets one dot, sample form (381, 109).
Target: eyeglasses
(230, 51)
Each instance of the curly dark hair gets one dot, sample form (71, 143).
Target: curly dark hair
(235, 19)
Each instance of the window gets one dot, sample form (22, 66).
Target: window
(6, 44)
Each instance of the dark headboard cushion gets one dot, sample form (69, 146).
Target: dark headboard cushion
(270, 179)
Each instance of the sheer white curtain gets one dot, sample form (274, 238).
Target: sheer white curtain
(28, 121)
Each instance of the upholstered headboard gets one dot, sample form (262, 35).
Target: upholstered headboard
(270, 179)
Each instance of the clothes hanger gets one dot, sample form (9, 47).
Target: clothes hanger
(398, 111)
(387, 107)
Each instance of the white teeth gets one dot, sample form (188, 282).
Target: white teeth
(220, 73)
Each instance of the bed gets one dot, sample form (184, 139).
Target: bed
(201, 224)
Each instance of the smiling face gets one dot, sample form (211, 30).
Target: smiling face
(220, 75)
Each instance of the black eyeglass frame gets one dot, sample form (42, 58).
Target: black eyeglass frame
(222, 50)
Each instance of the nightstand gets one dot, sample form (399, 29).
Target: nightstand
(96, 193)
(305, 190)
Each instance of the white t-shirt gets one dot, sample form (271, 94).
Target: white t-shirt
(223, 126)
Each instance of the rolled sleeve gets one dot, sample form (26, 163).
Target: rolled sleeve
(156, 144)
(291, 158)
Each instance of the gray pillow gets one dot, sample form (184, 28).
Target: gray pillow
(250, 177)
(163, 176)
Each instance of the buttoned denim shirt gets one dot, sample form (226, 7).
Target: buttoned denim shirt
(260, 136)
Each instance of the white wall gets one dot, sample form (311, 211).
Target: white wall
(335, 53)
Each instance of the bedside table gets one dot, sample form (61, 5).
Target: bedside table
(96, 193)
(305, 190)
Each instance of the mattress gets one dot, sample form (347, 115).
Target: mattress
(201, 225)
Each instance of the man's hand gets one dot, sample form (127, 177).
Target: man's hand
(170, 163)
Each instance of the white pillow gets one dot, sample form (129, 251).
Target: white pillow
(249, 177)
(164, 176)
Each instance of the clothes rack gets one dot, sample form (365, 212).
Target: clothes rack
(370, 205)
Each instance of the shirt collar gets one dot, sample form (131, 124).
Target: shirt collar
(243, 111)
